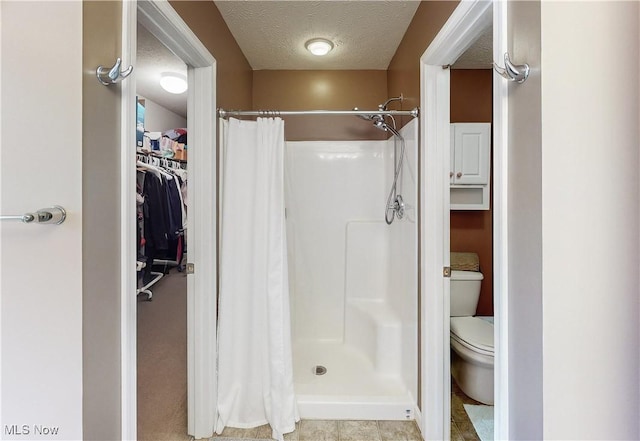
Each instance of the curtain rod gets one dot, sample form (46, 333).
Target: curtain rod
(226, 113)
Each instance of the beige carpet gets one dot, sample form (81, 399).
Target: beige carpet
(162, 361)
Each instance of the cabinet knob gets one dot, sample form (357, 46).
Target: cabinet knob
(459, 175)
(451, 174)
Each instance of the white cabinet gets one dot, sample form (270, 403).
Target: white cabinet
(470, 166)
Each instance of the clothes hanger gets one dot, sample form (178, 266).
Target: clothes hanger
(152, 169)
(155, 169)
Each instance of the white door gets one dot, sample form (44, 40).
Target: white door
(466, 23)
(41, 265)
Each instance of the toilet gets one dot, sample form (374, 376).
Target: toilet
(471, 338)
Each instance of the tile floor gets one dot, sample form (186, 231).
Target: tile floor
(331, 430)
(461, 427)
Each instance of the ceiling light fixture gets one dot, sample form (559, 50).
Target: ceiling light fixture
(319, 46)
(173, 82)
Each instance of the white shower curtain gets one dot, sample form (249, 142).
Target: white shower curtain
(255, 373)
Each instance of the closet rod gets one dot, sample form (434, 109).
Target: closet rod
(155, 155)
(356, 112)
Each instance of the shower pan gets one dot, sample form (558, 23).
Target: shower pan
(353, 274)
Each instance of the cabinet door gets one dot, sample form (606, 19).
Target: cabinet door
(472, 143)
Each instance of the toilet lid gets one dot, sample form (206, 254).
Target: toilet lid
(474, 332)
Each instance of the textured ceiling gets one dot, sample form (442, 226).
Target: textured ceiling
(153, 58)
(479, 55)
(272, 33)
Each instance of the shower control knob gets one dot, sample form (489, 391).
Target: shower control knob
(459, 175)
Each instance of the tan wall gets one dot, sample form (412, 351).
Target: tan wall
(471, 101)
(525, 239)
(102, 28)
(326, 90)
(403, 75)
(234, 72)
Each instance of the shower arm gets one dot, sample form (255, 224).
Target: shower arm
(383, 106)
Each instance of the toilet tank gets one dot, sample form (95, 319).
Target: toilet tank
(465, 292)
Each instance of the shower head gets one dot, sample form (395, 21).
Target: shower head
(379, 121)
(369, 117)
(382, 125)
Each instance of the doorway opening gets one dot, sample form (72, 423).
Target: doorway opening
(471, 308)
(163, 22)
(161, 233)
(463, 28)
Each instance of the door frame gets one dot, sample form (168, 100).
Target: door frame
(168, 27)
(464, 26)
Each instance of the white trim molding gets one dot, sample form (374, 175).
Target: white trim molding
(168, 27)
(463, 28)
(434, 208)
(468, 21)
(128, 301)
(202, 223)
(500, 228)
(159, 17)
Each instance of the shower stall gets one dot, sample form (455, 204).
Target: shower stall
(351, 235)
(352, 250)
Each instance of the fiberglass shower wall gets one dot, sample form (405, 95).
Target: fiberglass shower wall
(353, 278)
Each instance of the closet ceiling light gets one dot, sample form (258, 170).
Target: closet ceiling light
(173, 82)
(319, 46)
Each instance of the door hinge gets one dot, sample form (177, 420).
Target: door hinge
(446, 271)
(190, 268)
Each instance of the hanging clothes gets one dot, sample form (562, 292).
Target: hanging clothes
(162, 214)
(156, 219)
(255, 367)
(174, 209)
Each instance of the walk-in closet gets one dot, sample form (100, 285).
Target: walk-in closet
(161, 240)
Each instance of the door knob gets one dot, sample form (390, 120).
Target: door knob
(52, 215)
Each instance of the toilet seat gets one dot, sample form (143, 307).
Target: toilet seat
(473, 333)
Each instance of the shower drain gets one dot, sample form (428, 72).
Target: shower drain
(319, 370)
